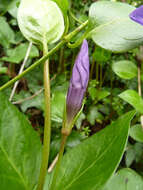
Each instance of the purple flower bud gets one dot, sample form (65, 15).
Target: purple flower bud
(78, 83)
(137, 15)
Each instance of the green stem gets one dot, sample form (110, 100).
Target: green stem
(74, 17)
(139, 88)
(76, 31)
(47, 124)
(63, 142)
(139, 79)
(79, 41)
(44, 58)
(40, 61)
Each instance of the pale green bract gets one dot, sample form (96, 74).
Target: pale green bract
(40, 20)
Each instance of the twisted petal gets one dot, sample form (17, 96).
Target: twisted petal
(78, 82)
(80, 73)
(137, 15)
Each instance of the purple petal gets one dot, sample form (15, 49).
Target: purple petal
(137, 15)
(80, 73)
(78, 82)
(74, 102)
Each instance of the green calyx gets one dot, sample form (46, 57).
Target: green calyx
(67, 126)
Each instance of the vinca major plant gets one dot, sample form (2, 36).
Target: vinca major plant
(91, 164)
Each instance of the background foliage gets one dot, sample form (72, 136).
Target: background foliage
(113, 83)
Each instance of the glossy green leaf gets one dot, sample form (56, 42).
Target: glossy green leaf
(90, 164)
(40, 21)
(20, 149)
(7, 35)
(136, 132)
(125, 179)
(125, 69)
(133, 98)
(16, 55)
(112, 27)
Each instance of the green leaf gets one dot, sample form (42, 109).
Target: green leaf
(74, 139)
(10, 6)
(97, 94)
(3, 70)
(7, 35)
(27, 100)
(57, 104)
(80, 120)
(113, 29)
(35, 79)
(133, 98)
(3, 5)
(40, 21)
(125, 69)
(125, 179)
(101, 94)
(138, 147)
(130, 156)
(17, 54)
(136, 132)
(63, 4)
(36, 102)
(90, 164)
(133, 153)
(101, 55)
(20, 149)
(94, 115)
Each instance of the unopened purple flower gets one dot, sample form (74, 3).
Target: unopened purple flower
(78, 83)
(137, 15)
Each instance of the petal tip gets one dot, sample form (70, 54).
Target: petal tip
(137, 15)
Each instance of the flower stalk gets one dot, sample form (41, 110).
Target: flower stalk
(47, 123)
(75, 95)
(58, 164)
